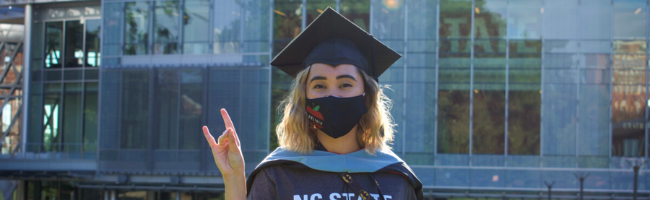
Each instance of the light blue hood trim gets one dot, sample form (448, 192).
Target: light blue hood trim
(356, 162)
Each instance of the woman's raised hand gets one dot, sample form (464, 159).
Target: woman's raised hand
(227, 154)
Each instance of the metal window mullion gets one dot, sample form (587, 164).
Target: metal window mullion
(150, 120)
(405, 87)
(120, 103)
(436, 94)
(83, 87)
(42, 112)
(178, 108)
(60, 128)
(270, 71)
(99, 95)
(647, 31)
(303, 21)
(181, 28)
(611, 83)
(577, 96)
(471, 84)
(370, 18)
(204, 117)
(211, 15)
(151, 35)
(505, 145)
(122, 29)
(541, 95)
(83, 49)
(83, 106)
(241, 96)
(63, 48)
(242, 10)
(338, 6)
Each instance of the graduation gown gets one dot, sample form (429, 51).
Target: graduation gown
(289, 175)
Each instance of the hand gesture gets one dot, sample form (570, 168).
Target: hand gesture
(227, 152)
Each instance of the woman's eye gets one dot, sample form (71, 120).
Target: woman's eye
(346, 85)
(319, 86)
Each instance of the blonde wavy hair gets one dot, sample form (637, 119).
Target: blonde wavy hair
(375, 129)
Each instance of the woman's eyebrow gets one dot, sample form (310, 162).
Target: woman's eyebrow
(317, 78)
(346, 76)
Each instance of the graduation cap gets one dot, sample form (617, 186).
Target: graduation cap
(332, 39)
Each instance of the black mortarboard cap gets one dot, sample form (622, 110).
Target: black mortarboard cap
(332, 39)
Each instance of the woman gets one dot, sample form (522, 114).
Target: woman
(336, 126)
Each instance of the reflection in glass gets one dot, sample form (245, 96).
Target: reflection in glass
(227, 27)
(489, 100)
(560, 19)
(525, 19)
(286, 26)
(455, 21)
(135, 109)
(136, 31)
(167, 109)
(489, 88)
(454, 76)
(630, 19)
(166, 28)
(315, 8)
(53, 44)
(191, 108)
(74, 55)
(51, 105)
(93, 39)
(178, 108)
(489, 20)
(524, 97)
(357, 11)
(629, 98)
(36, 116)
(38, 45)
(196, 23)
(453, 111)
(286, 23)
(595, 20)
(72, 123)
(90, 116)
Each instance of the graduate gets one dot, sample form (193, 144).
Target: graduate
(336, 126)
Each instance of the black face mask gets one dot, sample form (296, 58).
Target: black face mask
(336, 116)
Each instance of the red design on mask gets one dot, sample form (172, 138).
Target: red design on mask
(314, 112)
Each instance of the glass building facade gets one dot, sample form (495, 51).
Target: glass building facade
(492, 98)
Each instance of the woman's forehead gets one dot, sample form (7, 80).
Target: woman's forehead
(320, 69)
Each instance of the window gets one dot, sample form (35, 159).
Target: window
(92, 54)
(166, 27)
(53, 44)
(135, 109)
(136, 31)
(454, 76)
(196, 20)
(63, 107)
(179, 108)
(489, 88)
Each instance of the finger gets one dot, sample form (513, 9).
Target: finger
(236, 138)
(208, 136)
(222, 138)
(231, 137)
(226, 119)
